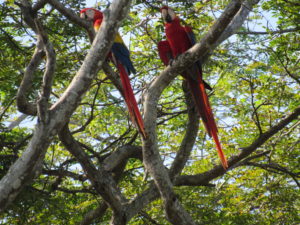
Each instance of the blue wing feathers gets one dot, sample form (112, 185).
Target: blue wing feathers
(121, 53)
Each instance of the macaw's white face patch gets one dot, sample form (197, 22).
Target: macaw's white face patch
(89, 14)
(168, 14)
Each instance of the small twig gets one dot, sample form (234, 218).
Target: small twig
(268, 32)
(275, 168)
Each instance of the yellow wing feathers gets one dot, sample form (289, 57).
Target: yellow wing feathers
(118, 38)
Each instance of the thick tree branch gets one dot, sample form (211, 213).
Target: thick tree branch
(114, 163)
(29, 164)
(237, 21)
(50, 58)
(152, 161)
(145, 198)
(121, 155)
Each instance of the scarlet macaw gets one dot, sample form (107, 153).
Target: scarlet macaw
(120, 56)
(180, 39)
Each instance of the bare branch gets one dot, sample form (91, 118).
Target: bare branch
(23, 104)
(255, 115)
(189, 137)
(271, 32)
(73, 17)
(6, 108)
(15, 123)
(48, 74)
(152, 161)
(120, 155)
(29, 164)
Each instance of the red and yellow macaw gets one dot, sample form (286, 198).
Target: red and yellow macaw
(120, 56)
(180, 39)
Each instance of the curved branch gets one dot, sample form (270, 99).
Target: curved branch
(238, 20)
(23, 104)
(73, 17)
(48, 74)
(189, 137)
(151, 157)
(96, 213)
(195, 180)
(268, 32)
(29, 164)
(102, 181)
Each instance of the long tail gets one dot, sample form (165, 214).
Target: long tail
(130, 100)
(204, 109)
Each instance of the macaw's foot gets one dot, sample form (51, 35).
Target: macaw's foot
(171, 61)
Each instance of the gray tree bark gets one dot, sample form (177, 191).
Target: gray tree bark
(53, 119)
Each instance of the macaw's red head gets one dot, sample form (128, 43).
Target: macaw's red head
(168, 14)
(91, 14)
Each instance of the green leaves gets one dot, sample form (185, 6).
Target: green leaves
(255, 79)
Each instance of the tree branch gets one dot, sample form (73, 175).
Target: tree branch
(275, 168)
(189, 137)
(101, 180)
(152, 161)
(23, 104)
(48, 74)
(29, 164)
(271, 32)
(96, 213)
(73, 17)
(195, 180)
(237, 21)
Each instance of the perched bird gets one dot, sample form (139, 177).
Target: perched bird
(120, 57)
(179, 40)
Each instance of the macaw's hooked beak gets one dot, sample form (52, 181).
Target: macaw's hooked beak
(168, 18)
(168, 14)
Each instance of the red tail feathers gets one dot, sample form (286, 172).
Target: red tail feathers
(204, 109)
(130, 100)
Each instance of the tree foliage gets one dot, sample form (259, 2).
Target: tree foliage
(96, 168)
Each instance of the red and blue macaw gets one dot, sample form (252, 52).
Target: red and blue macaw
(180, 39)
(120, 56)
